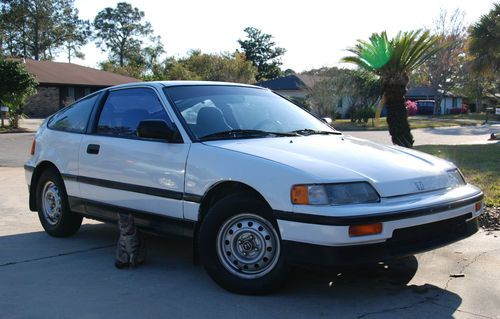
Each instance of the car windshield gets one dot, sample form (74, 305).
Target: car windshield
(223, 112)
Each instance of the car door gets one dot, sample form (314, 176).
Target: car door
(117, 169)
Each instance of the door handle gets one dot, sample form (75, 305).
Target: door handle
(93, 149)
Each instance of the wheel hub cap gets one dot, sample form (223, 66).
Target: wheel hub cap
(51, 203)
(248, 246)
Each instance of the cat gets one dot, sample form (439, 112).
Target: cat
(130, 249)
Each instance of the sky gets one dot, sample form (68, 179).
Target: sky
(315, 33)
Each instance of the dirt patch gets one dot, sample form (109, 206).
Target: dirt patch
(490, 219)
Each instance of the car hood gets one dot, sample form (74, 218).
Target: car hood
(392, 170)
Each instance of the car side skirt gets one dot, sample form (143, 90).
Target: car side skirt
(158, 224)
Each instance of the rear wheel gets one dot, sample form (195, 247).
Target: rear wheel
(240, 246)
(53, 208)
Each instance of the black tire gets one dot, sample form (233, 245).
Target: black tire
(236, 207)
(64, 224)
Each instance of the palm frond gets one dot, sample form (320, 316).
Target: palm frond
(400, 55)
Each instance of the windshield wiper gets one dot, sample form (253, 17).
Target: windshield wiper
(308, 131)
(243, 134)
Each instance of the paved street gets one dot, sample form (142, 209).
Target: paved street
(443, 135)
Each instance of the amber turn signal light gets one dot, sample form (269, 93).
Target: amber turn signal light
(33, 146)
(479, 205)
(300, 195)
(363, 230)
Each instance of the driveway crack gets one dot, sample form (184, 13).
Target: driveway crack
(462, 311)
(58, 255)
(433, 299)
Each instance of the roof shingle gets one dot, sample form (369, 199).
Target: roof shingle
(292, 82)
(49, 72)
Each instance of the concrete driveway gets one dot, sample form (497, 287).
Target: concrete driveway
(45, 277)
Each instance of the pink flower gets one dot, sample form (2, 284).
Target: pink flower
(411, 107)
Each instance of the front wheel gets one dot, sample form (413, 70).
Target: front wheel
(53, 208)
(240, 246)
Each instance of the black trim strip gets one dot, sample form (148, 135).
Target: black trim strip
(374, 218)
(29, 168)
(69, 177)
(130, 187)
(134, 188)
(192, 198)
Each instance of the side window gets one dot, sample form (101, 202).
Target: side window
(75, 117)
(125, 109)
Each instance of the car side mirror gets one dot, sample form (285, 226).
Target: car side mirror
(158, 130)
(327, 120)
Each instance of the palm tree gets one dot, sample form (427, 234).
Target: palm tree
(393, 60)
(484, 43)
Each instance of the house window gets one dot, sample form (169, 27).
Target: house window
(86, 92)
(71, 93)
(454, 102)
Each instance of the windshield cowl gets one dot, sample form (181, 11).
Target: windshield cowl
(235, 134)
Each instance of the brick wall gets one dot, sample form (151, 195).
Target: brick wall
(44, 103)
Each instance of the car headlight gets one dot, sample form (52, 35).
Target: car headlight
(334, 194)
(455, 178)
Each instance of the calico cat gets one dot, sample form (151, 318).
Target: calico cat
(130, 250)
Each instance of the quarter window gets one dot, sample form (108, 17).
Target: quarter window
(75, 117)
(125, 109)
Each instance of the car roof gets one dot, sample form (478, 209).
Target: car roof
(182, 83)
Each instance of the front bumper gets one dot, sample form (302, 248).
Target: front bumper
(325, 240)
(405, 242)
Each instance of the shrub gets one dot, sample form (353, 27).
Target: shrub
(411, 107)
(465, 109)
(16, 85)
(361, 114)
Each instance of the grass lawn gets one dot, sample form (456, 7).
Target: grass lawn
(479, 163)
(418, 121)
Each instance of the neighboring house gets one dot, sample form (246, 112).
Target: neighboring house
(294, 86)
(450, 102)
(62, 83)
(298, 86)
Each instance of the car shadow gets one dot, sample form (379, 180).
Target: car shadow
(78, 272)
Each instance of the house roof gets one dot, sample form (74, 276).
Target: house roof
(291, 82)
(49, 72)
(426, 92)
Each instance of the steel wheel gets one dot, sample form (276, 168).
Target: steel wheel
(248, 246)
(51, 203)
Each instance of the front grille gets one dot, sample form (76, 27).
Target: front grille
(421, 237)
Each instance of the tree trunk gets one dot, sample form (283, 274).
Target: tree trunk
(397, 117)
(36, 44)
(437, 104)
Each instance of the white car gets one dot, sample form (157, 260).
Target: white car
(258, 182)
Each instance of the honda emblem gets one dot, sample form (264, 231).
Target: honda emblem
(420, 186)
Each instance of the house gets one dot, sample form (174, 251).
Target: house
(62, 83)
(425, 98)
(293, 86)
(297, 88)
